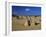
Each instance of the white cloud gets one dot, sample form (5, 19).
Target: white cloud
(27, 9)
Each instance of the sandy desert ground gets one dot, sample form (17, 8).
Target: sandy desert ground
(21, 23)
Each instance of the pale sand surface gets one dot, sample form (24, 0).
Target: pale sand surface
(18, 24)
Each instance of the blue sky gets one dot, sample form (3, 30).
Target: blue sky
(26, 11)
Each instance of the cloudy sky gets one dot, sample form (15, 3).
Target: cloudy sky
(26, 10)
